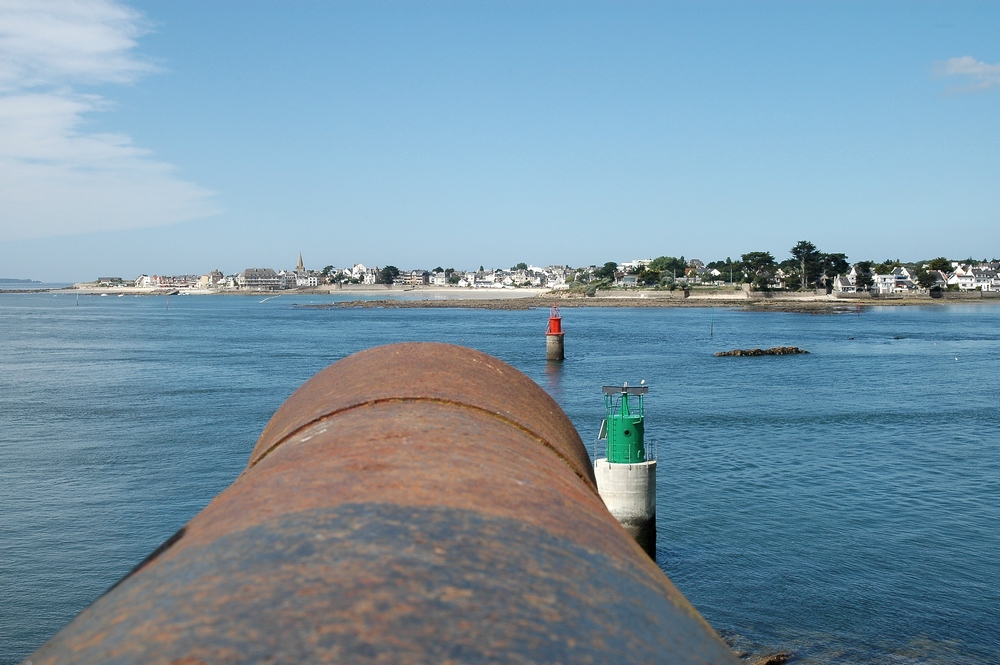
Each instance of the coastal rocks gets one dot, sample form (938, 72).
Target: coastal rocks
(773, 351)
(779, 658)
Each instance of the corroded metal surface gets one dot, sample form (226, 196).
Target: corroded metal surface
(428, 372)
(412, 503)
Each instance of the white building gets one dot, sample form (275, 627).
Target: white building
(363, 274)
(898, 281)
(843, 284)
(963, 278)
(986, 279)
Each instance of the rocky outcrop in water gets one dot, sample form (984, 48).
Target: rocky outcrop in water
(773, 351)
(779, 658)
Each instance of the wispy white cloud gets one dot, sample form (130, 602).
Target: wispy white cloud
(56, 178)
(979, 75)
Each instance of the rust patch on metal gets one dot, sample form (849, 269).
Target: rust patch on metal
(513, 423)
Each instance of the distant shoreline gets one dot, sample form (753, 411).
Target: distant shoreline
(820, 305)
(358, 290)
(424, 297)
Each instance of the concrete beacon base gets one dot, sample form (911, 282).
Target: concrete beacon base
(629, 492)
(554, 347)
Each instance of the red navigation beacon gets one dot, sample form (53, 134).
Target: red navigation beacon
(555, 321)
(554, 335)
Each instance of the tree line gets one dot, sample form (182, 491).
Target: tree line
(807, 267)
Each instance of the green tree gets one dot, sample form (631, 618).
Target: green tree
(648, 277)
(759, 267)
(668, 266)
(940, 263)
(607, 271)
(835, 264)
(731, 270)
(326, 270)
(810, 261)
(926, 279)
(760, 282)
(520, 266)
(438, 269)
(886, 267)
(388, 275)
(757, 263)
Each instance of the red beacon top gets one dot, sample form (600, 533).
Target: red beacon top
(555, 321)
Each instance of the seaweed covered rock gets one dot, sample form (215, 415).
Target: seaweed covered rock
(773, 351)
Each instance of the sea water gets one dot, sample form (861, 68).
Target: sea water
(842, 505)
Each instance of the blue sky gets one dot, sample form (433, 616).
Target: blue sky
(175, 137)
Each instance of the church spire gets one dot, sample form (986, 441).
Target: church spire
(300, 267)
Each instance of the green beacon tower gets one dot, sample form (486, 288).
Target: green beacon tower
(624, 426)
(626, 479)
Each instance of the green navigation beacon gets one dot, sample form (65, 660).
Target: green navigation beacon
(623, 424)
(626, 477)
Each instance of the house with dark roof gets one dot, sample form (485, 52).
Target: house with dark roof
(259, 279)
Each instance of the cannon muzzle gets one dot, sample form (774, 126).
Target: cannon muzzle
(411, 503)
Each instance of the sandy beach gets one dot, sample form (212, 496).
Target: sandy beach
(810, 304)
(369, 296)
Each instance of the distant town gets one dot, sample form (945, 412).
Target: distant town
(806, 269)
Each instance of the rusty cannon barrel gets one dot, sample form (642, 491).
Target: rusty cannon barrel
(411, 503)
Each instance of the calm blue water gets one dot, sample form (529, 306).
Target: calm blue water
(843, 505)
(31, 286)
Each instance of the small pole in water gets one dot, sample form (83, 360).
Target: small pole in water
(168, 303)
(712, 334)
(77, 299)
